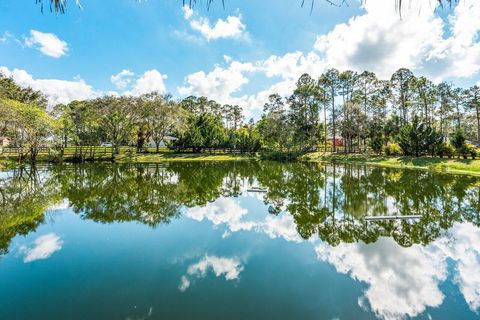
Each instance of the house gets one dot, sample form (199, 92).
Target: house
(167, 140)
(338, 141)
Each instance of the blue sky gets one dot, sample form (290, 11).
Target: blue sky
(237, 54)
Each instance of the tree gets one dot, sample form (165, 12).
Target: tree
(425, 97)
(458, 139)
(329, 82)
(417, 138)
(401, 83)
(304, 104)
(274, 126)
(473, 102)
(445, 106)
(29, 126)
(165, 117)
(118, 119)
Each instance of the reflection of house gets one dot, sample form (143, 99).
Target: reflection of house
(167, 140)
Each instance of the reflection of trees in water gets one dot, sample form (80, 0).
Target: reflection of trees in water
(348, 193)
(25, 193)
(327, 200)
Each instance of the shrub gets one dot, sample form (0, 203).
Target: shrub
(446, 150)
(469, 150)
(458, 140)
(393, 149)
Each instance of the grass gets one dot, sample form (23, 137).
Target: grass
(460, 166)
(166, 157)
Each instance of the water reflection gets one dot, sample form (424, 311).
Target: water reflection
(402, 263)
(328, 201)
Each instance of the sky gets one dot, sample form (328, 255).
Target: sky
(237, 54)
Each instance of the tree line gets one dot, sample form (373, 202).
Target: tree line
(357, 112)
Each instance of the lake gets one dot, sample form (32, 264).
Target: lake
(237, 240)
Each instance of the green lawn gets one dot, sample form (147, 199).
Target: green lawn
(165, 157)
(461, 166)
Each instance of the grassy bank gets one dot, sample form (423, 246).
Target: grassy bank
(460, 166)
(166, 157)
(125, 157)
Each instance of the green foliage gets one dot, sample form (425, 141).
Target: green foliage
(417, 138)
(458, 140)
(392, 149)
(445, 150)
(468, 150)
(376, 143)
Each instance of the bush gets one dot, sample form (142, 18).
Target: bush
(469, 150)
(393, 149)
(458, 140)
(446, 150)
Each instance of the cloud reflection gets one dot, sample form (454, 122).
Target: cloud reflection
(43, 247)
(230, 268)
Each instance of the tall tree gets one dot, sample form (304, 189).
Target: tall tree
(401, 82)
(329, 81)
(473, 102)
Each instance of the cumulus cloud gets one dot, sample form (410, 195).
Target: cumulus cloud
(380, 41)
(43, 248)
(229, 268)
(57, 91)
(151, 80)
(122, 79)
(232, 27)
(220, 83)
(47, 43)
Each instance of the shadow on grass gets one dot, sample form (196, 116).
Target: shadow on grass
(426, 161)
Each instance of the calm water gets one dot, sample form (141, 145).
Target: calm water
(190, 241)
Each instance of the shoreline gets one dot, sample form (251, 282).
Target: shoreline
(440, 165)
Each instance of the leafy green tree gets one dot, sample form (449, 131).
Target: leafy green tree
(473, 102)
(118, 119)
(417, 138)
(401, 83)
(329, 82)
(304, 112)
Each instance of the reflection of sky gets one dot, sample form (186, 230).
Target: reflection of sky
(190, 258)
(401, 281)
(230, 268)
(42, 248)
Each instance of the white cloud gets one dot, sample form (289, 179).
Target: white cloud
(122, 79)
(232, 27)
(222, 211)
(57, 91)
(47, 43)
(5, 37)
(43, 247)
(187, 12)
(220, 83)
(380, 41)
(230, 268)
(151, 80)
(377, 40)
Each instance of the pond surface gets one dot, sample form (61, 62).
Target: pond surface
(252, 240)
